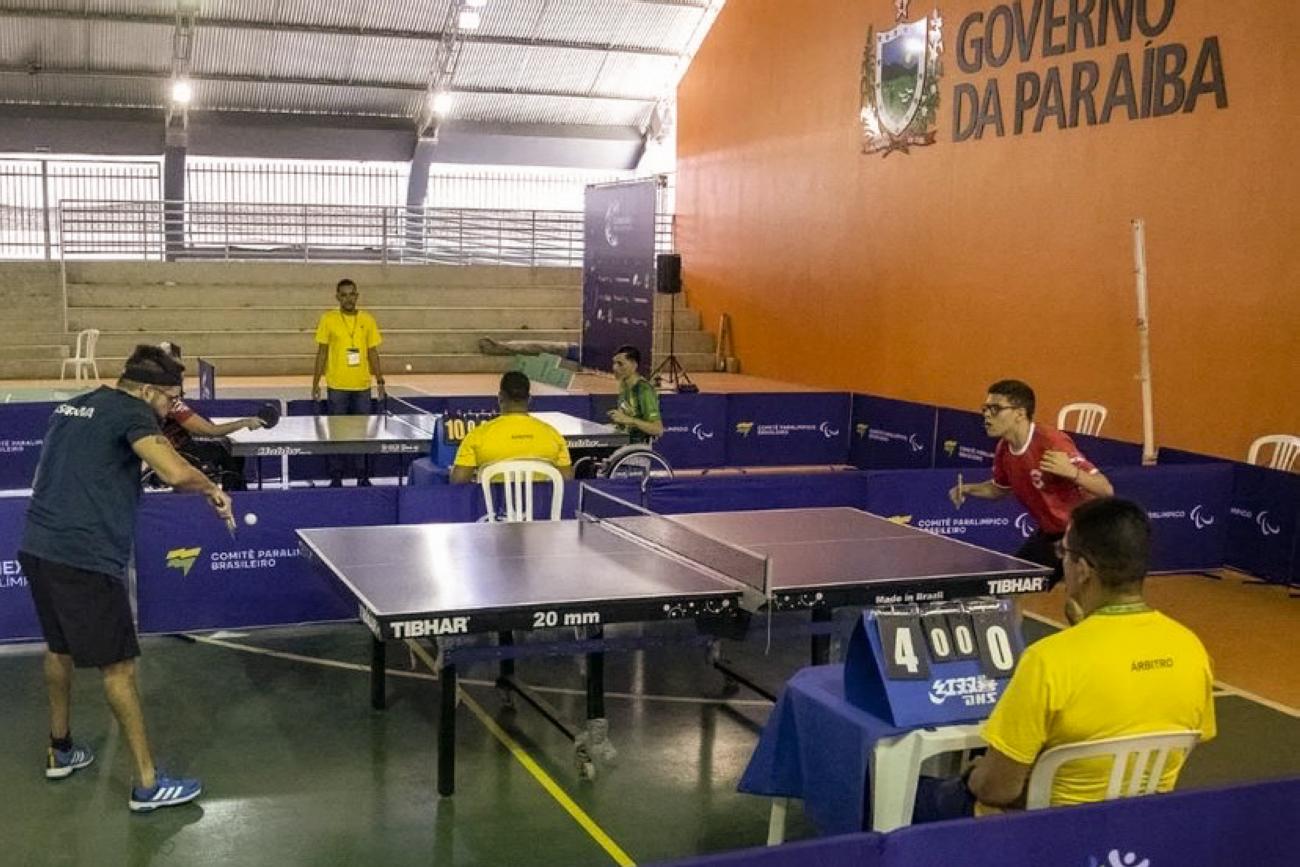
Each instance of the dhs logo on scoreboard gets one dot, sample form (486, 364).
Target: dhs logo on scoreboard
(969, 691)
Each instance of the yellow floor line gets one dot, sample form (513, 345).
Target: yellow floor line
(543, 779)
(1224, 688)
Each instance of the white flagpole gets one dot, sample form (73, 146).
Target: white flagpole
(1144, 341)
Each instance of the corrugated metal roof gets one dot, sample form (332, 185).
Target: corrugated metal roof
(376, 60)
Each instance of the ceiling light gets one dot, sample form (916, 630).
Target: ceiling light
(182, 92)
(477, 4)
(470, 19)
(440, 102)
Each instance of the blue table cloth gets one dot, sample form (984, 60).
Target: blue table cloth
(816, 746)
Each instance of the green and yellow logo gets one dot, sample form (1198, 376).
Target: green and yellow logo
(744, 427)
(861, 430)
(949, 446)
(183, 559)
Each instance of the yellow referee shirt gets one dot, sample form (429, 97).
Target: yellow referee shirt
(1109, 676)
(512, 436)
(342, 332)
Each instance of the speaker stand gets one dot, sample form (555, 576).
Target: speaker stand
(670, 370)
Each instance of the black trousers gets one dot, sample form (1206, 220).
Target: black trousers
(1041, 548)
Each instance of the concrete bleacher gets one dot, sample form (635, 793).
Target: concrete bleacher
(35, 339)
(254, 318)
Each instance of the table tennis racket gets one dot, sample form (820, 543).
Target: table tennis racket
(269, 413)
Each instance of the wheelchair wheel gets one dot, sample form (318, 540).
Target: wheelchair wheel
(636, 462)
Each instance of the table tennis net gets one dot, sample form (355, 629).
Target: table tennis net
(671, 536)
(396, 405)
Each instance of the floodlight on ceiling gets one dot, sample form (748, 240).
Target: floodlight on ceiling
(477, 4)
(469, 19)
(440, 103)
(182, 92)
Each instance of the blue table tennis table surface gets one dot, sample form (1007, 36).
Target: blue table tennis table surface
(814, 557)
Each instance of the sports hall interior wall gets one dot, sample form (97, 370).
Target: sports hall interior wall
(926, 275)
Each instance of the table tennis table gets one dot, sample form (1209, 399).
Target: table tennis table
(384, 434)
(619, 563)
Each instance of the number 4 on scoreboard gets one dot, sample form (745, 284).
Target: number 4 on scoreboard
(904, 645)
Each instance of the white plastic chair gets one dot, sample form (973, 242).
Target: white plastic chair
(84, 355)
(1285, 449)
(1139, 763)
(895, 770)
(1091, 417)
(516, 480)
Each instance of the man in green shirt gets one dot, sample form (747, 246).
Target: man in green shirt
(638, 402)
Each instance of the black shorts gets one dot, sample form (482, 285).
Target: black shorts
(85, 615)
(1041, 548)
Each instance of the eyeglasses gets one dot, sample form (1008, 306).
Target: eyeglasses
(994, 408)
(1062, 549)
(172, 399)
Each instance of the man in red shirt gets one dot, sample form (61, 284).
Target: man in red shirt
(1040, 465)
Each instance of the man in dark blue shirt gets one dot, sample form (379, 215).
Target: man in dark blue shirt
(76, 546)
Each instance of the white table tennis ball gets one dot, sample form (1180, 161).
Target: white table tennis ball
(250, 519)
(408, 366)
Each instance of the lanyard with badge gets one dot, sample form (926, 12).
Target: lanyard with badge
(353, 353)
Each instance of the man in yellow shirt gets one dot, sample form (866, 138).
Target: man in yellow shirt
(1120, 669)
(347, 352)
(513, 434)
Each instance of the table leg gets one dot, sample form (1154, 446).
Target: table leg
(776, 821)
(447, 731)
(378, 661)
(821, 644)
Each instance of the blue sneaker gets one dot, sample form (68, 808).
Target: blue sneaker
(61, 763)
(167, 792)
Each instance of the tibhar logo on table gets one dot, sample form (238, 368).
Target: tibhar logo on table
(430, 628)
(972, 691)
(1007, 586)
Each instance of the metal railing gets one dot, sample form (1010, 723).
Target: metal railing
(175, 231)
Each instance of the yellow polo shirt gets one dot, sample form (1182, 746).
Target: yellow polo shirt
(512, 436)
(341, 332)
(1109, 676)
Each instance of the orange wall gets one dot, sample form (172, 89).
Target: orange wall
(928, 275)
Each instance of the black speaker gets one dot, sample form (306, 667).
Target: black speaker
(669, 277)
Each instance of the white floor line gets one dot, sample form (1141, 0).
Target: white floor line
(1221, 688)
(419, 675)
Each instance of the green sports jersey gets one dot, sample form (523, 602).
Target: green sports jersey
(641, 401)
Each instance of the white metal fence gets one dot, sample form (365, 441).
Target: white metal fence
(157, 230)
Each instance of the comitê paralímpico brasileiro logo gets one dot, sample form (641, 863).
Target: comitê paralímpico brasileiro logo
(900, 83)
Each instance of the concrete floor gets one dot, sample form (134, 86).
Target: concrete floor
(299, 769)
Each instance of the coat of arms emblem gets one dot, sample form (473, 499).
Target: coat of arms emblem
(900, 83)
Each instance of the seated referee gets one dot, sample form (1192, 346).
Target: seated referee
(513, 435)
(1120, 669)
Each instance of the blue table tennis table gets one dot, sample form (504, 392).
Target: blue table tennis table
(618, 563)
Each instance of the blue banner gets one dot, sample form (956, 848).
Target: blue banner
(22, 433)
(1200, 828)
(17, 614)
(787, 429)
(695, 430)
(1180, 456)
(618, 270)
(1187, 829)
(891, 434)
(1105, 452)
(1264, 522)
(1188, 508)
(742, 493)
(191, 575)
(960, 440)
(207, 381)
(919, 498)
